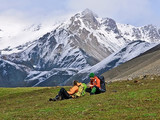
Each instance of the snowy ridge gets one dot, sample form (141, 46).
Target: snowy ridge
(39, 77)
(12, 38)
(147, 33)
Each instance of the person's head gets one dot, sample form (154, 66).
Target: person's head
(75, 82)
(91, 76)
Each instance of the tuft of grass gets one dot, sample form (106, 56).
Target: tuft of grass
(124, 100)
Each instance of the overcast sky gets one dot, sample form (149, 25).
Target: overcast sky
(134, 12)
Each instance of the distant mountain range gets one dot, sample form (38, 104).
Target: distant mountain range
(77, 45)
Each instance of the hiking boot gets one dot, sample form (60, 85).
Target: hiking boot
(54, 99)
(50, 99)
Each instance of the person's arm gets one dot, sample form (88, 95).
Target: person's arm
(98, 82)
(73, 90)
(91, 84)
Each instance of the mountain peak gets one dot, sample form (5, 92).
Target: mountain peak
(89, 12)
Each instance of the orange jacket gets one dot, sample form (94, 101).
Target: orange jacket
(73, 90)
(95, 82)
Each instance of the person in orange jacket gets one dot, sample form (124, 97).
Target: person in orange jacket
(63, 94)
(94, 86)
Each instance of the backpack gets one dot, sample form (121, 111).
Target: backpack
(102, 83)
(81, 90)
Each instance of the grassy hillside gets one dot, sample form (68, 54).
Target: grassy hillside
(123, 100)
(146, 64)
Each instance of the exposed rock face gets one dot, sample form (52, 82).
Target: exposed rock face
(89, 19)
(111, 25)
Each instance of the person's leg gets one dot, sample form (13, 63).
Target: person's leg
(56, 98)
(95, 90)
(64, 94)
(98, 91)
(88, 90)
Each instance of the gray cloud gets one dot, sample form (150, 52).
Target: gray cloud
(135, 12)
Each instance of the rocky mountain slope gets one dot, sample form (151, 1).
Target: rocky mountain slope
(146, 64)
(12, 75)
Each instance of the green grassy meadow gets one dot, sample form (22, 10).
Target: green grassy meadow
(124, 100)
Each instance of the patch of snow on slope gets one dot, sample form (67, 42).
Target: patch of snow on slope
(127, 53)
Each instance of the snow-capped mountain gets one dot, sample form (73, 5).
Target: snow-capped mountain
(87, 28)
(79, 43)
(148, 33)
(127, 53)
(11, 37)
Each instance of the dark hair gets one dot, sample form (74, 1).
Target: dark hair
(75, 82)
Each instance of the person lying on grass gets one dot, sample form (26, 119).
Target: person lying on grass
(63, 94)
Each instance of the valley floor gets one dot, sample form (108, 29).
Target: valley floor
(124, 100)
